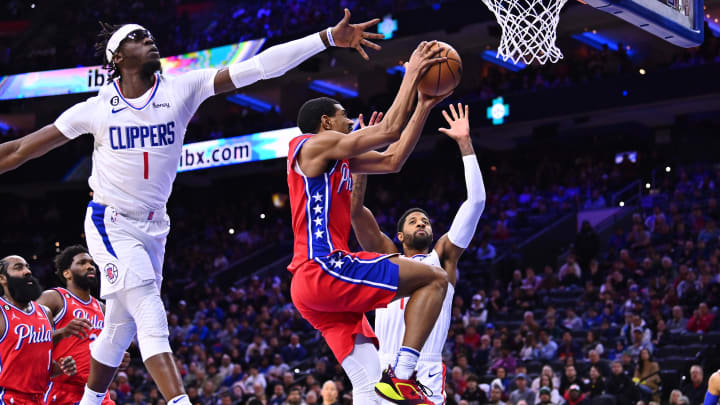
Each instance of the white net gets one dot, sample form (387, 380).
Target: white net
(529, 29)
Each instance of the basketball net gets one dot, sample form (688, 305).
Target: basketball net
(529, 29)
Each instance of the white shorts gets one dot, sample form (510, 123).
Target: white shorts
(128, 249)
(431, 373)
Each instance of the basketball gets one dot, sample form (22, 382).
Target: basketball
(442, 78)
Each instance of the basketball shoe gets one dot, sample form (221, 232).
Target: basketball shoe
(403, 392)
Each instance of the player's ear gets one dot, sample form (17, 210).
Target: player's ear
(400, 236)
(65, 273)
(325, 123)
(118, 57)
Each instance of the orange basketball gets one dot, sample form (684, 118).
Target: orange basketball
(442, 78)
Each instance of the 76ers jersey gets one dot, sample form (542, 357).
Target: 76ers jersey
(25, 349)
(78, 348)
(138, 142)
(390, 321)
(320, 208)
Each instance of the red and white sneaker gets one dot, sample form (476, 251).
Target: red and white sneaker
(403, 392)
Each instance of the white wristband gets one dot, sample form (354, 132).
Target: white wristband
(329, 36)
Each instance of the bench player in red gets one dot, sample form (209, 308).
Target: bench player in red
(69, 306)
(26, 337)
(333, 288)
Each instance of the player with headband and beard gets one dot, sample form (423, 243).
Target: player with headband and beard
(26, 337)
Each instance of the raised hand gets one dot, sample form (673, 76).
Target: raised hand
(459, 123)
(348, 35)
(424, 56)
(375, 119)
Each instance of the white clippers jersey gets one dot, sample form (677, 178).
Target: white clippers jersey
(390, 321)
(138, 142)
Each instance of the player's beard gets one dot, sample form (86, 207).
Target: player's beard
(421, 243)
(85, 282)
(150, 67)
(21, 291)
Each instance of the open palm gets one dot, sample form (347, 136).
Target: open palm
(459, 122)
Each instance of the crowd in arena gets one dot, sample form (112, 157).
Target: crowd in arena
(651, 286)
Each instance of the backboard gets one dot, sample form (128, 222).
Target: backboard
(679, 22)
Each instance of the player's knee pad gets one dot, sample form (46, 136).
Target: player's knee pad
(147, 309)
(114, 339)
(362, 367)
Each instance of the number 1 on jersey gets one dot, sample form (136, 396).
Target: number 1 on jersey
(145, 159)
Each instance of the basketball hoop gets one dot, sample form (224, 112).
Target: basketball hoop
(529, 29)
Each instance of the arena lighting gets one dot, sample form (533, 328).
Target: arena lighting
(262, 216)
(396, 69)
(231, 231)
(622, 203)
(251, 102)
(667, 169)
(713, 24)
(90, 78)
(498, 111)
(388, 26)
(595, 40)
(492, 57)
(642, 71)
(647, 186)
(331, 89)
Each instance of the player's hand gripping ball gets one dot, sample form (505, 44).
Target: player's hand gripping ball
(442, 78)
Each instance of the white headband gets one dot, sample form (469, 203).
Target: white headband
(117, 37)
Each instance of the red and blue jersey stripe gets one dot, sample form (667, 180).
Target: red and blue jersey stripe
(320, 208)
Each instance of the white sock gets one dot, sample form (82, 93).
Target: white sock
(405, 362)
(180, 400)
(91, 397)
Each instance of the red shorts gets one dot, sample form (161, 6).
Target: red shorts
(334, 292)
(12, 397)
(68, 394)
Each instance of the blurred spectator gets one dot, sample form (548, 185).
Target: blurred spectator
(596, 382)
(696, 387)
(473, 394)
(522, 392)
(621, 386)
(701, 320)
(678, 324)
(570, 378)
(587, 243)
(570, 272)
(575, 396)
(647, 375)
(329, 393)
(486, 251)
(547, 348)
(545, 397)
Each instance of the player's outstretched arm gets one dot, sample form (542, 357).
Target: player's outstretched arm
(277, 60)
(453, 244)
(330, 145)
(394, 157)
(16, 152)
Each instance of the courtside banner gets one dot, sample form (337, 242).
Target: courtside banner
(89, 79)
(239, 149)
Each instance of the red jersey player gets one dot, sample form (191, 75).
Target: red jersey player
(333, 288)
(26, 337)
(76, 270)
